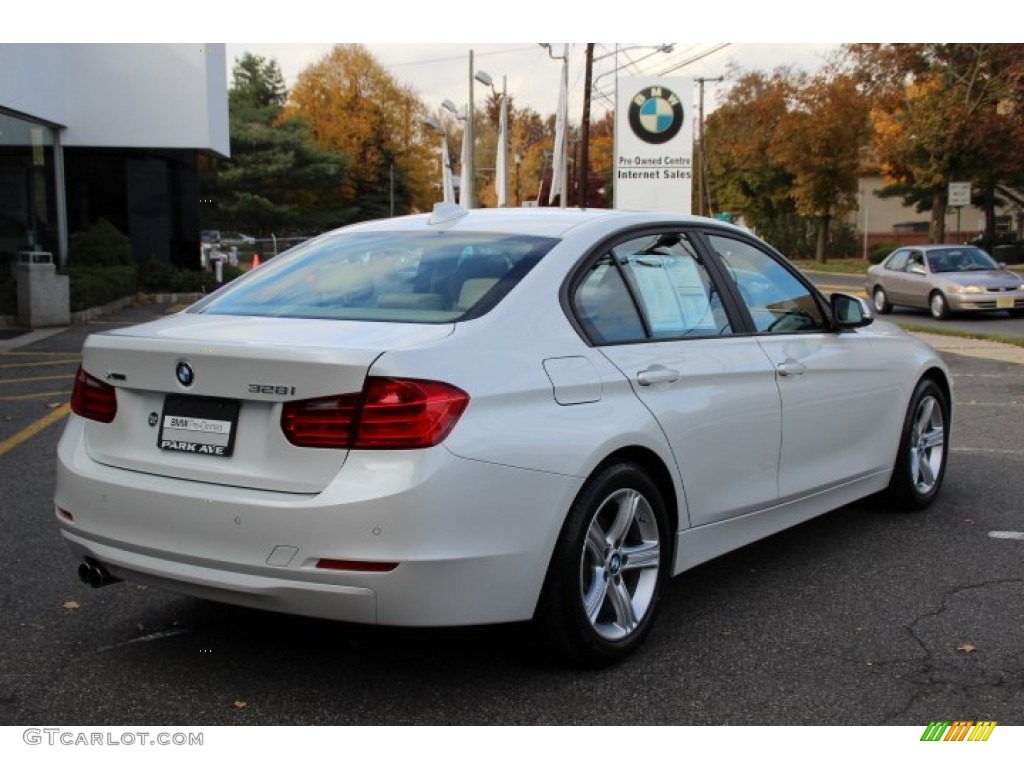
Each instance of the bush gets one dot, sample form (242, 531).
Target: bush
(878, 251)
(94, 286)
(102, 245)
(156, 276)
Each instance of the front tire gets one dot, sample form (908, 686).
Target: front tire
(602, 588)
(921, 461)
(938, 306)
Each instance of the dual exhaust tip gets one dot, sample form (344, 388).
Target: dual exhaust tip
(94, 574)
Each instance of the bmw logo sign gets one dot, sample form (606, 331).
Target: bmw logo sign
(185, 374)
(656, 114)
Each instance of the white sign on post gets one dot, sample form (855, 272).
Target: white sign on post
(959, 194)
(654, 144)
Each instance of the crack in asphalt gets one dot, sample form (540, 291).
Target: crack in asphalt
(928, 674)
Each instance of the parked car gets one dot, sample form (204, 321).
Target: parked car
(944, 279)
(237, 238)
(551, 414)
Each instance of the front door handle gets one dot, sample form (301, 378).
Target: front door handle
(657, 374)
(791, 368)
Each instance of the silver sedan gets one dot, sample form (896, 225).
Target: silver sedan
(944, 279)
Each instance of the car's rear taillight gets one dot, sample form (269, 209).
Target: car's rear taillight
(93, 399)
(389, 413)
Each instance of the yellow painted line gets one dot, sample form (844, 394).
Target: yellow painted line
(34, 365)
(36, 395)
(33, 429)
(37, 378)
(34, 354)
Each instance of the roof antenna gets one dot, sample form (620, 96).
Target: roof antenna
(445, 212)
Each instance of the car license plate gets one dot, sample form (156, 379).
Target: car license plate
(204, 425)
(1004, 302)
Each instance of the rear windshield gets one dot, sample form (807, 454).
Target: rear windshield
(436, 277)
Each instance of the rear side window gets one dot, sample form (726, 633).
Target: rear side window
(384, 276)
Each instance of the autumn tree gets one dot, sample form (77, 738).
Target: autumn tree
(353, 106)
(818, 140)
(745, 176)
(944, 112)
(276, 180)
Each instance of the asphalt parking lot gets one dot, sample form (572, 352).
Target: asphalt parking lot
(860, 617)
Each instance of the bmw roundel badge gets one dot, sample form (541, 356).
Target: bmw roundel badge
(185, 374)
(656, 114)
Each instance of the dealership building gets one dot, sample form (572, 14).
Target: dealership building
(115, 131)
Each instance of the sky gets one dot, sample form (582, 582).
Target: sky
(439, 71)
(426, 45)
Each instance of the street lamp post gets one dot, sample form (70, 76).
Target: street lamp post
(501, 165)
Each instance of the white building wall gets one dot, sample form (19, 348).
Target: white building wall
(32, 81)
(122, 95)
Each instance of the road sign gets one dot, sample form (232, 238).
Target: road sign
(959, 194)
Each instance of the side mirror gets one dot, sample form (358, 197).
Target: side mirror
(849, 312)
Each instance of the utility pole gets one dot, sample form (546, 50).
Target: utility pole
(704, 193)
(582, 186)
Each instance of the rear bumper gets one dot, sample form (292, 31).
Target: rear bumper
(471, 540)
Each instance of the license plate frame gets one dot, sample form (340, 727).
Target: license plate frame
(205, 426)
(1004, 302)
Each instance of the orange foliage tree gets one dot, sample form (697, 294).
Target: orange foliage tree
(353, 106)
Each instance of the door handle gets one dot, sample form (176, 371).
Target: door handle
(657, 374)
(791, 368)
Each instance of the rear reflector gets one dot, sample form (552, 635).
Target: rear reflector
(366, 566)
(93, 399)
(394, 414)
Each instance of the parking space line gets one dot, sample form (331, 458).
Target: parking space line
(36, 395)
(13, 352)
(1007, 535)
(37, 378)
(33, 429)
(36, 365)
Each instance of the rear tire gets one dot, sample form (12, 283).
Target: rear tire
(921, 461)
(605, 577)
(881, 301)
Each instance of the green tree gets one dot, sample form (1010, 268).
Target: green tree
(277, 179)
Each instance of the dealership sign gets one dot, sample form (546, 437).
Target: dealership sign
(654, 144)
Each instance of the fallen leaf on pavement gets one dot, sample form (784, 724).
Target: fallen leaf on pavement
(240, 705)
(966, 648)
(71, 605)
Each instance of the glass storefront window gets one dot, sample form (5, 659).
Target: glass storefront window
(28, 210)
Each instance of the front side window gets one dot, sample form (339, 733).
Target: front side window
(898, 261)
(384, 276)
(777, 301)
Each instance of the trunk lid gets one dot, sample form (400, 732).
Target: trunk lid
(225, 426)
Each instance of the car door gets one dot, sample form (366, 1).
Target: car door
(834, 395)
(654, 310)
(917, 282)
(894, 277)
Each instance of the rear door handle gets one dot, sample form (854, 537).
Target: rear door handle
(791, 368)
(657, 374)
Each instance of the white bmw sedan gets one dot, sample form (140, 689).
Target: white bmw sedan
(490, 416)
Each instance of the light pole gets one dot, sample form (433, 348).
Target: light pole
(463, 183)
(562, 119)
(447, 191)
(501, 164)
